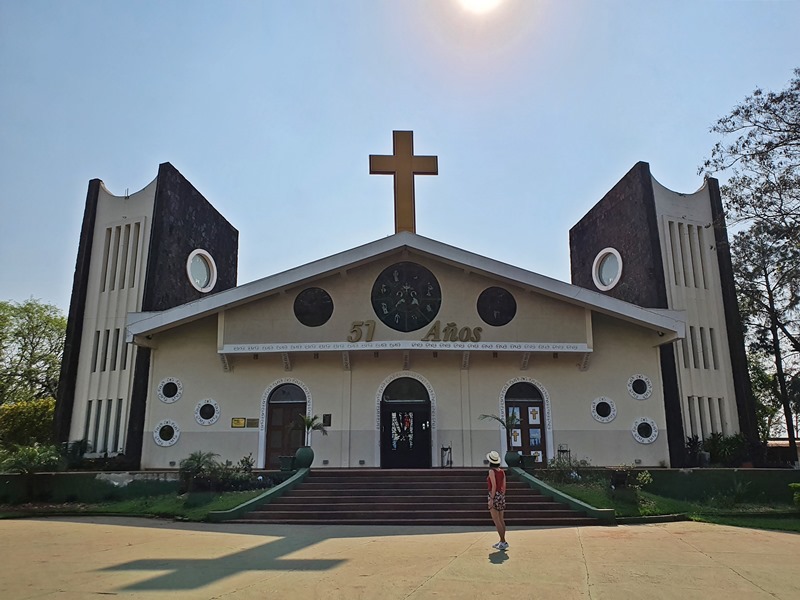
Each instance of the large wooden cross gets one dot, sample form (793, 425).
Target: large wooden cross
(403, 165)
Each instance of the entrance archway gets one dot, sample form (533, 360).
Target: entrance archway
(531, 435)
(405, 424)
(282, 403)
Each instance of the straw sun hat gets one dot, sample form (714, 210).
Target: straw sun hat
(493, 458)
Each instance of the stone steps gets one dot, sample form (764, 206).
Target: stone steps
(409, 497)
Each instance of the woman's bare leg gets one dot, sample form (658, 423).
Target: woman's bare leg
(499, 523)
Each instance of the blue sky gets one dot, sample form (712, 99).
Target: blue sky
(271, 109)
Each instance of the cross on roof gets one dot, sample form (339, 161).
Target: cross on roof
(403, 165)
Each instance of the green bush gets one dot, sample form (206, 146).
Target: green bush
(36, 458)
(202, 472)
(796, 488)
(28, 422)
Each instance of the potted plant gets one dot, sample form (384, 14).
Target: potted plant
(512, 457)
(305, 455)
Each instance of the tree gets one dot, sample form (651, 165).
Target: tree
(760, 154)
(767, 272)
(31, 345)
(763, 158)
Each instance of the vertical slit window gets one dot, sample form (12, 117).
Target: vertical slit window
(693, 343)
(117, 421)
(722, 416)
(685, 352)
(714, 357)
(703, 409)
(688, 279)
(114, 264)
(88, 422)
(693, 416)
(134, 253)
(96, 429)
(95, 346)
(106, 250)
(674, 247)
(114, 350)
(106, 437)
(697, 255)
(704, 348)
(124, 360)
(105, 350)
(123, 263)
(701, 239)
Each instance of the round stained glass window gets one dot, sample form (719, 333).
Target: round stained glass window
(640, 386)
(644, 430)
(166, 433)
(496, 306)
(313, 307)
(607, 269)
(207, 412)
(603, 409)
(170, 390)
(202, 270)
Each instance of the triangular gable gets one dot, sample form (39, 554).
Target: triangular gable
(670, 323)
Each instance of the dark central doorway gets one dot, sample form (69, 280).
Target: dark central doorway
(405, 425)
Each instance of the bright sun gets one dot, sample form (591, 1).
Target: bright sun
(480, 6)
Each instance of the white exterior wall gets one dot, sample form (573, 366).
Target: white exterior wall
(189, 354)
(691, 268)
(105, 365)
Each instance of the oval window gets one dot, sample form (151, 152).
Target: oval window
(166, 433)
(202, 271)
(644, 430)
(607, 269)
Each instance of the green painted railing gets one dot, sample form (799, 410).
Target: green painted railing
(259, 501)
(607, 515)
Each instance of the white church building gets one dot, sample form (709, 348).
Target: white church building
(400, 345)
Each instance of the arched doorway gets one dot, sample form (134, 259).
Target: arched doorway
(405, 421)
(284, 404)
(525, 401)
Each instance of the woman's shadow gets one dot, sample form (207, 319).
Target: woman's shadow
(498, 558)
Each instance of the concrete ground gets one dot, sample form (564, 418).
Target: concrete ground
(85, 557)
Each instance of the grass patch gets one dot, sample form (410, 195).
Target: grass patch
(188, 507)
(725, 509)
(753, 521)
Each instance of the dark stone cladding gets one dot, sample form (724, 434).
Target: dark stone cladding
(183, 221)
(65, 397)
(625, 219)
(745, 403)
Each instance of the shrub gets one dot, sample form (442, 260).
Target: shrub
(202, 472)
(31, 459)
(26, 423)
(796, 488)
(565, 470)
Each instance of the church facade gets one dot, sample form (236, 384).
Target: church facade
(401, 347)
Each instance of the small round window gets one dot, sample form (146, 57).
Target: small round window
(313, 307)
(640, 386)
(206, 412)
(603, 409)
(166, 433)
(202, 270)
(607, 269)
(170, 390)
(644, 430)
(496, 306)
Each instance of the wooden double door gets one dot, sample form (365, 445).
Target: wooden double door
(283, 436)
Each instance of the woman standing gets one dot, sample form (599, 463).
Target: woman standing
(496, 482)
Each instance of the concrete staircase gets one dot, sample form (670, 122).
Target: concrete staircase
(409, 497)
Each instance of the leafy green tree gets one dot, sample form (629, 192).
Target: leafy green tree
(31, 345)
(767, 272)
(25, 423)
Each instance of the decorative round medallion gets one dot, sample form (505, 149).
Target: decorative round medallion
(406, 296)
(607, 269)
(604, 410)
(640, 386)
(644, 430)
(202, 270)
(496, 306)
(313, 307)
(166, 433)
(207, 412)
(170, 390)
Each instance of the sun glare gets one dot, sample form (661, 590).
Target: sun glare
(480, 6)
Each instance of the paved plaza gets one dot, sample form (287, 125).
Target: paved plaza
(88, 558)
